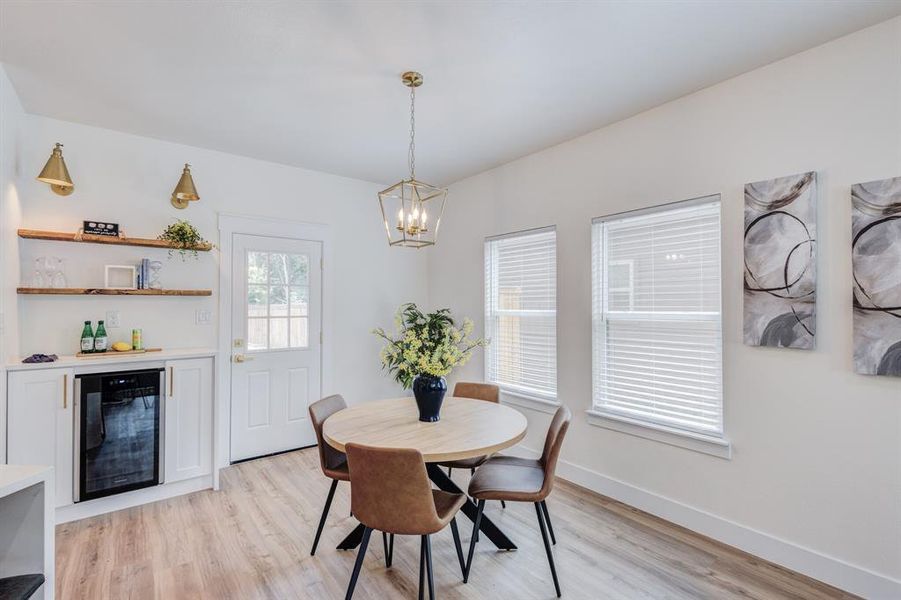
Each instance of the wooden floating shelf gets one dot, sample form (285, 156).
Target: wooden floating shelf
(87, 238)
(109, 292)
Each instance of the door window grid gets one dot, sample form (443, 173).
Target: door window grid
(278, 292)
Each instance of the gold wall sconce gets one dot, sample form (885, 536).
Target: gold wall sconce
(185, 191)
(56, 174)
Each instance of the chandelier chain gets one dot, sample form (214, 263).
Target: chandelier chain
(411, 158)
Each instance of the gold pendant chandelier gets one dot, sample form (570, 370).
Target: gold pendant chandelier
(412, 209)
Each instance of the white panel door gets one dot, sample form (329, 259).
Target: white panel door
(276, 343)
(188, 438)
(40, 424)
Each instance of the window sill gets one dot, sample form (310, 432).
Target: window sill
(706, 444)
(524, 400)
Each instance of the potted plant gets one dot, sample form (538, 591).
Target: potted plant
(423, 349)
(184, 237)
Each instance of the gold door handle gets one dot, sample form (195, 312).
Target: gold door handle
(65, 391)
(171, 380)
(239, 358)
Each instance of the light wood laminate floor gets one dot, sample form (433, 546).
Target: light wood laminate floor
(252, 540)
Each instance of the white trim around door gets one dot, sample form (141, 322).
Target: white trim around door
(229, 225)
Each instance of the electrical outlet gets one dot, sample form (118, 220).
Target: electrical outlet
(112, 319)
(203, 317)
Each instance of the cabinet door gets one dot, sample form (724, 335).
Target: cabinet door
(189, 418)
(39, 421)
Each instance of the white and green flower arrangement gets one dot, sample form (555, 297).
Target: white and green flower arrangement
(428, 344)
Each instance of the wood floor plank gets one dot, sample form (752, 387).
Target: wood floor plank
(251, 540)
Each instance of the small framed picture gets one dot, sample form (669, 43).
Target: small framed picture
(120, 277)
(98, 228)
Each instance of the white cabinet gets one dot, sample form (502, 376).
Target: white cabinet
(39, 411)
(189, 419)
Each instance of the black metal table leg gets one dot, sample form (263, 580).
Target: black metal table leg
(491, 531)
(353, 538)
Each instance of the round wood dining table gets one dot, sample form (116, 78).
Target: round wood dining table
(467, 428)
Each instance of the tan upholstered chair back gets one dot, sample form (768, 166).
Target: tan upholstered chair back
(329, 458)
(477, 391)
(390, 490)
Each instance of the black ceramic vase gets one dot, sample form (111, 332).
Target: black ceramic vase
(429, 392)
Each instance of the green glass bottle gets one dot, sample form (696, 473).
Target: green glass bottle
(100, 339)
(87, 338)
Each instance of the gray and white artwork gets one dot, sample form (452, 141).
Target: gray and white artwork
(876, 268)
(780, 262)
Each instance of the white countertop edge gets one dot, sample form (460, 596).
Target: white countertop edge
(73, 361)
(14, 478)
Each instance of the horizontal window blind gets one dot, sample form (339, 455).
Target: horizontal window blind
(521, 312)
(657, 332)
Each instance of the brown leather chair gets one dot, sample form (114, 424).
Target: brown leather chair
(522, 480)
(332, 462)
(390, 491)
(477, 391)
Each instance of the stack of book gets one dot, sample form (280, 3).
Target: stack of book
(144, 274)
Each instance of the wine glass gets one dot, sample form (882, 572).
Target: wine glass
(51, 266)
(59, 277)
(38, 279)
(155, 267)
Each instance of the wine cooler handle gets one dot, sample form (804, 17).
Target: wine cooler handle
(171, 380)
(65, 391)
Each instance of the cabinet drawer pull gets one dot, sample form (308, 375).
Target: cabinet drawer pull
(65, 391)
(171, 380)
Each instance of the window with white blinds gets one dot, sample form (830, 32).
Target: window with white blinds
(657, 334)
(521, 312)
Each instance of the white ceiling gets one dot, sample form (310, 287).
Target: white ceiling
(317, 84)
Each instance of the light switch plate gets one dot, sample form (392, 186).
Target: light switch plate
(203, 317)
(112, 319)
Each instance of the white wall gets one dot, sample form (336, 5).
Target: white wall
(128, 179)
(816, 471)
(11, 120)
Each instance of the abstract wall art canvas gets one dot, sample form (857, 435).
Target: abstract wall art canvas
(876, 269)
(780, 280)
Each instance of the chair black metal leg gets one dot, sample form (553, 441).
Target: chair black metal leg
(472, 471)
(473, 540)
(547, 517)
(450, 471)
(458, 545)
(428, 563)
(390, 550)
(328, 504)
(491, 531)
(385, 546)
(547, 546)
(358, 564)
(422, 568)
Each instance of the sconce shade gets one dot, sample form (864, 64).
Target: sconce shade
(184, 191)
(56, 174)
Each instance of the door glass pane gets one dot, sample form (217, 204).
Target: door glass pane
(257, 334)
(300, 335)
(256, 300)
(257, 267)
(300, 303)
(278, 301)
(298, 269)
(278, 268)
(278, 333)
(277, 288)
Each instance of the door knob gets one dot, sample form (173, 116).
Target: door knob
(239, 358)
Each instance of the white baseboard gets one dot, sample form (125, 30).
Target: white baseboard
(92, 508)
(827, 569)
